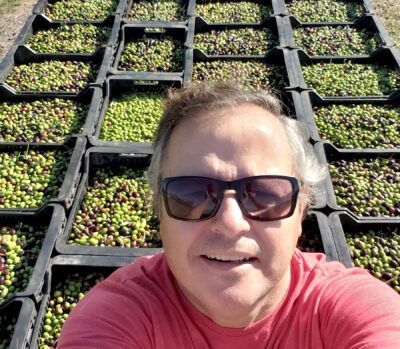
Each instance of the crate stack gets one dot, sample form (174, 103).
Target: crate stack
(349, 81)
(80, 97)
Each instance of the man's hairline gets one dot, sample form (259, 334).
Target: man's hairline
(207, 114)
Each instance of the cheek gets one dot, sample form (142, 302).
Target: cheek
(177, 236)
(295, 226)
(179, 243)
(281, 240)
(174, 244)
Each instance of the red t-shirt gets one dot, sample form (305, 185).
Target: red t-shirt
(326, 306)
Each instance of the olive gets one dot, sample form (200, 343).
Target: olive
(325, 10)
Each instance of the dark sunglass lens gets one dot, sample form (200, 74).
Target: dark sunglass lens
(191, 199)
(267, 198)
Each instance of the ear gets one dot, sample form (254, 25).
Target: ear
(302, 216)
(304, 200)
(303, 207)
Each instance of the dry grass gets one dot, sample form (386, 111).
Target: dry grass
(13, 14)
(389, 12)
(7, 6)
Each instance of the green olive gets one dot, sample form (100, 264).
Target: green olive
(80, 10)
(116, 211)
(325, 10)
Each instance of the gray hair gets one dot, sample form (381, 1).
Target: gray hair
(200, 98)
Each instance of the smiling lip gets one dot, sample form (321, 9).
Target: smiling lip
(228, 259)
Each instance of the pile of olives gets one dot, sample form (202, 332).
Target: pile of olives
(132, 117)
(152, 55)
(116, 211)
(351, 79)
(64, 297)
(378, 251)
(19, 248)
(80, 10)
(242, 41)
(240, 11)
(8, 321)
(43, 120)
(76, 38)
(359, 126)
(30, 178)
(58, 76)
(367, 187)
(310, 239)
(335, 41)
(253, 74)
(325, 10)
(158, 10)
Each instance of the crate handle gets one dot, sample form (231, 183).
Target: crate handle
(154, 30)
(146, 83)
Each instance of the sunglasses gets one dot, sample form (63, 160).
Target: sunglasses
(262, 198)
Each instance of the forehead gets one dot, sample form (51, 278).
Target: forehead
(231, 142)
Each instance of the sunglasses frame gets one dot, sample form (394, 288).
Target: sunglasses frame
(231, 185)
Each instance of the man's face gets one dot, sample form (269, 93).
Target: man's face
(233, 269)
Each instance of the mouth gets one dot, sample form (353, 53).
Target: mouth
(229, 259)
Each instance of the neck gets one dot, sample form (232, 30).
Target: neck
(264, 307)
(242, 317)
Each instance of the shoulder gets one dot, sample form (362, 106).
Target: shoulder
(333, 279)
(127, 299)
(142, 268)
(351, 306)
(315, 267)
(134, 283)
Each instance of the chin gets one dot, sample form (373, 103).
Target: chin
(235, 309)
(230, 306)
(236, 299)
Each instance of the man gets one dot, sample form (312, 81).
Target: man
(232, 179)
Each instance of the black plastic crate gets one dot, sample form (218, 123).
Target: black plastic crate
(312, 100)
(279, 58)
(109, 159)
(317, 236)
(20, 315)
(51, 219)
(72, 150)
(383, 57)
(293, 108)
(42, 5)
(277, 26)
(291, 104)
(151, 30)
(328, 153)
(366, 8)
(90, 99)
(37, 22)
(378, 229)
(370, 24)
(117, 87)
(182, 18)
(60, 269)
(20, 55)
(275, 8)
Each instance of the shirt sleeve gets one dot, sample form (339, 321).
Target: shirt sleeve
(360, 312)
(108, 317)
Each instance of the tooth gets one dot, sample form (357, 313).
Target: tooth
(226, 258)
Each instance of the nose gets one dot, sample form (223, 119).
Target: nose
(229, 219)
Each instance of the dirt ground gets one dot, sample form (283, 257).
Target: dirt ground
(13, 15)
(389, 12)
